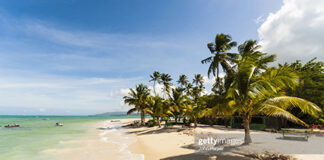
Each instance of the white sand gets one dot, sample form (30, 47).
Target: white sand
(174, 143)
(109, 141)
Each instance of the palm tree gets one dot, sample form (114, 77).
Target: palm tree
(183, 80)
(139, 99)
(249, 50)
(188, 88)
(196, 110)
(198, 80)
(157, 109)
(166, 81)
(220, 104)
(263, 93)
(178, 102)
(155, 77)
(218, 49)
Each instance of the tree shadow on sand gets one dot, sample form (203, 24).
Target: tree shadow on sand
(156, 131)
(196, 156)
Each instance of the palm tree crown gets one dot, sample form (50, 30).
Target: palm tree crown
(139, 99)
(263, 93)
(166, 81)
(198, 80)
(218, 49)
(155, 77)
(183, 80)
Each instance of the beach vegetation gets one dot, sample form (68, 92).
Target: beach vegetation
(139, 99)
(251, 86)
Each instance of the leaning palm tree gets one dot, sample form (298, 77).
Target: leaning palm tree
(156, 78)
(183, 80)
(253, 93)
(166, 81)
(139, 99)
(218, 49)
(198, 80)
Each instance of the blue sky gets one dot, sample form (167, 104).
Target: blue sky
(79, 57)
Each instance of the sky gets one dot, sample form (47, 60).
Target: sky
(70, 57)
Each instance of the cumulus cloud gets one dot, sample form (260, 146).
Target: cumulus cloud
(295, 31)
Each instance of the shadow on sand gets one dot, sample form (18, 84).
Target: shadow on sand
(293, 138)
(196, 156)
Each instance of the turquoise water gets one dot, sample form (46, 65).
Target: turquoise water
(38, 133)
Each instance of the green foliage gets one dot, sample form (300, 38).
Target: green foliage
(311, 86)
(155, 78)
(218, 49)
(166, 81)
(152, 123)
(139, 99)
(249, 88)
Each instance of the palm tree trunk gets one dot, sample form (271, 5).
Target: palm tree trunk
(176, 119)
(154, 88)
(226, 122)
(195, 122)
(142, 117)
(217, 72)
(247, 137)
(184, 120)
(159, 123)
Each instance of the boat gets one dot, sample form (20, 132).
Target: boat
(12, 125)
(59, 124)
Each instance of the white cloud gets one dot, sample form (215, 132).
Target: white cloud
(119, 93)
(45, 93)
(158, 89)
(259, 20)
(295, 31)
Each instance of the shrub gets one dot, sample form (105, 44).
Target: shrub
(152, 123)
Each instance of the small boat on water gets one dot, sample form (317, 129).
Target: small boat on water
(59, 124)
(12, 125)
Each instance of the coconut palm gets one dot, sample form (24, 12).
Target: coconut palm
(155, 78)
(196, 110)
(198, 80)
(139, 99)
(250, 50)
(188, 88)
(221, 106)
(157, 109)
(218, 49)
(178, 102)
(166, 81)
(183, 80)
(255, 93)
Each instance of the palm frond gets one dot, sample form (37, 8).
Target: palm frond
(131, 111)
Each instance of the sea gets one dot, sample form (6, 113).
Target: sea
(38, 138)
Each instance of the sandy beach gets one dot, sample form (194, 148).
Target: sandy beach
(116, 139)
(175, 143)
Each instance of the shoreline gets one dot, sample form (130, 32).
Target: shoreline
(105, 139)
(115, 139)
